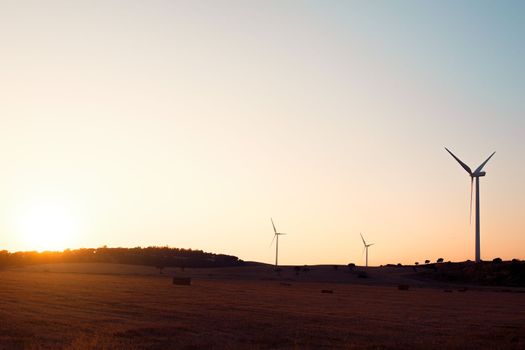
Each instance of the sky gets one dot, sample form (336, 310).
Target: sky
(191, 123)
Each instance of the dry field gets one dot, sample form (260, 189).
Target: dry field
(79, 310)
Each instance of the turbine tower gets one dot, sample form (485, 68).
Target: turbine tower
(474, 175)
(276, 234)
(366, 248)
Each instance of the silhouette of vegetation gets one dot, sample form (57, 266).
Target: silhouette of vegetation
(351, 266)
(159, 257)
(497, 260)
(504, 273)
(427, 261)
(440, 260)
(416, 263)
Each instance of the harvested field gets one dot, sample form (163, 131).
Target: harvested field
(48, 310)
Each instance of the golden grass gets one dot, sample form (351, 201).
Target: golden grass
(40, 310)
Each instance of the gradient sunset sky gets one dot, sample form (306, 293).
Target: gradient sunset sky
(191, 123)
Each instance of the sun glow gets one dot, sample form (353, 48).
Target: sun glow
(46, 225)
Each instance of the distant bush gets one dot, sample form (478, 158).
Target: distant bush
(497, 260)
(399, 264)
(416, 263)
(440, 260)
(351, 266)
(427, 261)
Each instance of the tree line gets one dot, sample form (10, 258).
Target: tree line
(159, 257)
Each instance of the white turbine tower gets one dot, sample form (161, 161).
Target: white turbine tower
(276, 234)
(366, 248)
(474, 175)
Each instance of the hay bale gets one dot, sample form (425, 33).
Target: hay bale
(403, 287)
(327, 291)
(182, 281)
(362, 274)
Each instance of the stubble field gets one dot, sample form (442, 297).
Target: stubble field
(54, 310)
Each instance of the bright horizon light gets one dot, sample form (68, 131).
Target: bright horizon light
(46, 225)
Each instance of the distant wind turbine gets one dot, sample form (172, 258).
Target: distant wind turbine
(474, 175)
(366, 248)
(276, 234)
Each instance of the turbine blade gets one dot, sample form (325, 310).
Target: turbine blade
(465, 166)
(281, 233)
(471, 190)
(370, 244)
(363, 252)
(363, 239)
(273, 239)
(483, 164)
(274, 229)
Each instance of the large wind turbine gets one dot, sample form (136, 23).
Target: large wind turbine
(276, 234)
(474, 175)
(366, 248)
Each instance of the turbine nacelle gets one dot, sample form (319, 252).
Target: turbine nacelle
(480, 174)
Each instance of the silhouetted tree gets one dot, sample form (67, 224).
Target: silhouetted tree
(351, 266)
(427, 261)
(416, 263)
(159, 257)
(440, 260)
(497, 260)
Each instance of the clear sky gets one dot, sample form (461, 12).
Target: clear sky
(191, 123)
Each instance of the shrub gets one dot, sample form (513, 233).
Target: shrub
(416, 263)
(440, 260)
(427, 261)
(497, 260)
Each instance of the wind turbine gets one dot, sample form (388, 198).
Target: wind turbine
(276, 234)
(366, 248)
(474, 175)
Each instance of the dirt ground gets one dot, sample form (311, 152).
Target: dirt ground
(107, 307)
